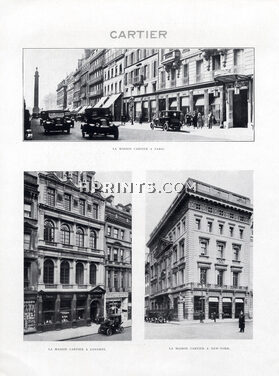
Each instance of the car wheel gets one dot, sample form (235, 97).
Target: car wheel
(116, 135)
(99, 331)
(152, 126)
(160, 319)
(46, 132)
(91, 136)
(109, 332)
(121, 329)
(166, 127)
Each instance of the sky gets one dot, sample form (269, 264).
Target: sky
(53, 65)
(240, 182)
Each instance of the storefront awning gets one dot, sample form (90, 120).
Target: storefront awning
(185, 101)
(82, 110)
(101, 102)
(173, 104)
(111, 100)
(75, 110)
(230, 77)
(227, 300)
(213, 299)
(199, 102)
(239, 300)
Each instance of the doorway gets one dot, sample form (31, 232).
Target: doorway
(94, 310)
(240, 109)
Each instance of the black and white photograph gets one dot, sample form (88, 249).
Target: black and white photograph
(198, 268)
(139, 94)
(77, 257)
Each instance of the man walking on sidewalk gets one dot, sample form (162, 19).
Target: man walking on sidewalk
(241, 321)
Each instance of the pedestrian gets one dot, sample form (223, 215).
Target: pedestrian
(195, 118)
(200, 120)
(210, 119)
(201, 316)
(214, 316)
(241, 321)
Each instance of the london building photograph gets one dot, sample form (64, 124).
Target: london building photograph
(199, 256)
(77, 257)
(139, 94)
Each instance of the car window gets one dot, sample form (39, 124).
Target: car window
(53, 115)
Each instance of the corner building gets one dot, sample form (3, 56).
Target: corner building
(70, 250)
(200, 254)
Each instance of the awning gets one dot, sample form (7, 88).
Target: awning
(230, 77)
(111, 100)
(82, 110)
(185, 101)
(199, 102)
(101, 101)
(173, 104)
(239, 300)
(76, 110)
(227, 300)
(213, 299)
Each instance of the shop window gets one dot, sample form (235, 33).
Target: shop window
(64, 273)
(49, 231)
(65, 234)
(65, 310)
(48, 311)
(48, 272)
(79, 273)
(93, 240)
(27, 241)
(93, 274)
(80, 309)
(51, 196)
(80, 237)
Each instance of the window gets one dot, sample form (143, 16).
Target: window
(122, 234)
(231, 215)
(115, 233)
(203, 247)
(27, 241)
(79, 273)
(174, 233)
(67, 202)
(80, 237)
(198, 224)
(183, 225)
(89, 183)
(241, 233)
(220, 275)
(122, 255)
(236, 252)
(27, 210)
(181, 277)
(175, 254)
(209, 226)
(231, 229)
(48, 272)
(235, 279)
(203, 276)
(221, 213)
(216, 62)
(115, 255)
(49, 231)
(178, 230)
(198, 207)
(64, 273)
(65, 234)
(50, 196)
(116, 287)
(209, 209)
(181, 249)
(109, 253)
(109, 231)
(199, 70)
(92, 274)
(220, 250)
(93, 240)
(185, 71)
(95, 211)
(221, 228)
(82, 207)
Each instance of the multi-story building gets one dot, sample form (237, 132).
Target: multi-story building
(147, 283)
(30, 252)
(200, 254)
(62, 95)
(140, 83)
(118, 262)
(76, 91)
(217, 80)
(70, 91)
(70, 250)
(95, 78)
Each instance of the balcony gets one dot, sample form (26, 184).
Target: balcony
(82, 95)
(95, 79)
(95, 93)
(67, 286)
(171, 57)
(82, 286)
(94, 67)
(138, 80)
(83, 83)
(235, 73)
(50, 286)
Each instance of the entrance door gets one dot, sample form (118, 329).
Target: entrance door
(94, 310)
(238, 308)
(227, 310)
(213, 307)
(240, 109)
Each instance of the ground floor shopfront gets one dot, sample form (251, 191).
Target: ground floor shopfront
(231, 104)
(119, 303)
(190, 304)
(30, 312)
(62, 310)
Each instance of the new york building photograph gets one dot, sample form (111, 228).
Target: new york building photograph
(139, 94)
(77, 257)
(198, 265)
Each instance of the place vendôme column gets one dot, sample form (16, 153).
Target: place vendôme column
(36, 92)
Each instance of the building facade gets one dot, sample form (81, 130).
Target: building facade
(62, 95)
(200, 254)
(118, 262)
(70, 91)
(30, 252)
(95, 83)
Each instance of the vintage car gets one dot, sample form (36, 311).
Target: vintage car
(111, 325)
(158, 315)
(167, 120)
(68, 116)
(98, 121)
(55, 120)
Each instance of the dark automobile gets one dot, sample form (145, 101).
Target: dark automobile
(55, 120)
(28, 135)
(158, 315)
(167, 120)
(68, 116)
(111, 325)
(98, 121)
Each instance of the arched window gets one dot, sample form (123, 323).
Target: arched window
(64, 273)
(80, 237)
(49, 231)
(48, 272)
(93, 240)
(93, 274)
(79, 273)
(65, 234)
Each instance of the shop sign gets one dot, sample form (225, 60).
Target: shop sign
(29, 314)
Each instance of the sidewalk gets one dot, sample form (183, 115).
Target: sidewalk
(67, 334)
(208, 321)
(230, 134)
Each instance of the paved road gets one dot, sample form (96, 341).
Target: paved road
(125, 134)
(125, 336)
(218, 330)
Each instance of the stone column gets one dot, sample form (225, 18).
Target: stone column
(220, 307)
(40, 313)
(222, 117)
(86, 273)
(57, 272)
(112, 280)
(180, 310)
(41, 270)
(157, 105)
(249, 99)
(87, 311)
(206, 107)
(178, 101)
(73, 310)
(206, 307)
(167, 103)
(57, 318)
(229, 108)
(191, 100)
(73, 273)
(149, 110)
(233, 307)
